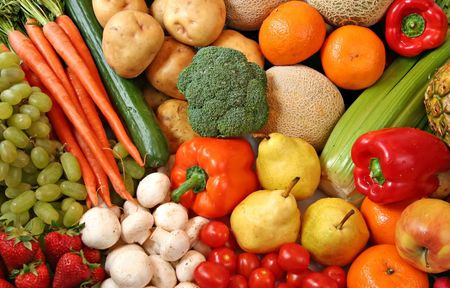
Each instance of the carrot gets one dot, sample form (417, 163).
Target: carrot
(3, 47)
(31, 56)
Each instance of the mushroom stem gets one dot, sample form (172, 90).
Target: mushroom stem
(290, 186)
(348, 215)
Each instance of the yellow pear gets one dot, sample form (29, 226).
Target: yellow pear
(266, 219)
(281, 158)
(333, 231)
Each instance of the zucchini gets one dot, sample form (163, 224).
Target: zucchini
(124, 93)
(396, 100)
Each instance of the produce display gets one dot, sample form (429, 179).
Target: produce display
(224, 144)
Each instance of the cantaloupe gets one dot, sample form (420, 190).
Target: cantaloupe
(344, 12)
(248, 15)
(303, 103)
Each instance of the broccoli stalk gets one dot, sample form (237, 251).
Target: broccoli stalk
(226, 94)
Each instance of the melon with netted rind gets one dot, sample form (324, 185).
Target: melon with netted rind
(303, 103)
(346, 12)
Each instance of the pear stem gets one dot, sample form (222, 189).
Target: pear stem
(348, 215)
(260, 136)
(289, 188)
(426, 258)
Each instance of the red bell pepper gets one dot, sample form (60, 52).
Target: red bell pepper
(396, 164)
(213, 175)
(413, 26)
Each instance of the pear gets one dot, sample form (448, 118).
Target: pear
(281, 158)
(333, 231)
(266, 219)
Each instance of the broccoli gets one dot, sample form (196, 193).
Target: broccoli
(226, 94)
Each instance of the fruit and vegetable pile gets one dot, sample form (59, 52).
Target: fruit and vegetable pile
(224, 143)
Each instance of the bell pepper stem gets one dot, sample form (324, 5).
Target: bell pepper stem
(289, 188)
(413, 25)
(348, 215)
(375, 171)
(196, 179)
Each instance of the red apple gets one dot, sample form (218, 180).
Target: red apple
(422, 235)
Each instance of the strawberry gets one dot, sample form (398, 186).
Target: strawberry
(5, 284)
(34, 275)
(2, 269)
(39, 255)
(92, 255)
(98, 274)
(59, 242)
(71, 271)
(17, 247)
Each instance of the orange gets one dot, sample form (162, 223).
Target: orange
(353, 57)
(381, 219)
(380, 266)
(291, 33)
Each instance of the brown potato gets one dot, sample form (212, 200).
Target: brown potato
(130, 42)
(195, 22)
(171, 59)
(173, 120)
(105, 9)
(235, 40)
(157, 11)
(153, 97)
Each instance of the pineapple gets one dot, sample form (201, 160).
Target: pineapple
(437, 103)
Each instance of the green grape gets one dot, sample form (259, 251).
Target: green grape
(10, 97)
(73, 214)
(4, 84)
(13, 74)
(31, 111)
(8, 151)
(30, 168)
(40, 101)
(17, 137)
(23, 202)
(6, 110)
(43, 118)
(4, 169)
(39, 129)
(74, 190)
(48, 193)
(23, 218)
(36, 89)
(6, 207)
(23, 89)
(50, 174)
(20, 120)
(119, 151)
(35, 226)
(9, 219)
(13, 192)
(65, 204)
(133, 169)
(30, 178)
(8, 59)
(51, 146)
(46, 212)
(14, 176)
(129, 184)
(22, 159)
(70, 166)
(39, 157)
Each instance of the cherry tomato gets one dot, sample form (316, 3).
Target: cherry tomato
(231, 243)
(247, 262)
(442, 282)
(295, 279)
(209, 274)
(261, 278)
(238, 281)
(270, 261)
(318, 280)
(224, 256)
(283, 285)
(214, 234)
(338, 274)
(293, 257)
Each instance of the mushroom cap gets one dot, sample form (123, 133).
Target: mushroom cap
(170, 216)
(175, 246)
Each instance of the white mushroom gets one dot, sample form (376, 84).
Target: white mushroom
(170, 216)
(164, 274)
(187, 264)
(153, 189)
(136, 227)
(202, 248)
(101, 228)
(193, 226)
(109, 283)
(112, 255)
(130, 207)
(170, 245)
(187, 285)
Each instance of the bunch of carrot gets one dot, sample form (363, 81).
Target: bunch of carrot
(77, 91)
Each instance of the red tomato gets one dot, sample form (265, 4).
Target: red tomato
(318, 280)
(295, 279)
(224, 256)
(214, 234)
(261, 278)
(442, 282)
(293, 257)
(270, 262)
(284, 285)
(247, 262)
(338, 274)
(231, 243)
(209, 274)
(238, 281)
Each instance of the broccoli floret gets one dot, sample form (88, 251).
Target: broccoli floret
(226, 94)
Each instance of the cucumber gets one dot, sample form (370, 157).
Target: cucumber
(124, 93)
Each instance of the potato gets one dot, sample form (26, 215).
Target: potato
(235, 40)
(195, 22)
(153, 97)
(105, 9)
(173, 120)
(171, 59)
(157, 10)
(130, 42)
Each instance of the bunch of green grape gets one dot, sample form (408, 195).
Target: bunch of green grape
(41, 183)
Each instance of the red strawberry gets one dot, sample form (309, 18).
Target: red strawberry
(39, 256)
(5, 284)
(71, 271)
(2, 269)
(92, 255)
(34, 275)
(17, 247)
(98, 274)
(57, 243)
